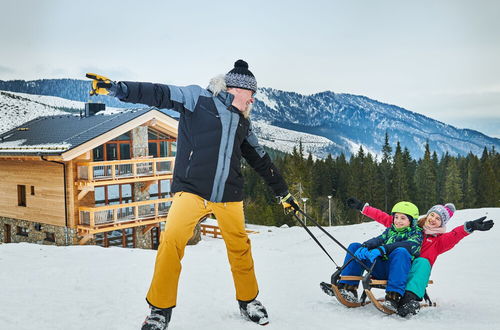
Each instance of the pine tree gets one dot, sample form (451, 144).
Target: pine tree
(411, 166)
(425, 181)
(441, 178)
(385, 169)
(400, 184)
(453, 184)
(486, 185)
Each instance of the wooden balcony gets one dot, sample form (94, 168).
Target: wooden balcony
(93, 220)
(91, 174)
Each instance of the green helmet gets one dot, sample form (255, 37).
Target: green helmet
(406, 208)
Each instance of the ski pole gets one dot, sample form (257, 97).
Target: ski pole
(297, 208)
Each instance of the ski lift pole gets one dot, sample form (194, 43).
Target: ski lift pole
(327, 234)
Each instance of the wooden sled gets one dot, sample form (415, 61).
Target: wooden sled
(369, 283)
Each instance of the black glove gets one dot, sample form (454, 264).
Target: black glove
(478, 224)
(289, 204)
(354, 203)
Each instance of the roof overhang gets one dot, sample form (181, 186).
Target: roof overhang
(154, 118)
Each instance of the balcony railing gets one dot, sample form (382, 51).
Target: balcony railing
(122, 169)
(104, 216)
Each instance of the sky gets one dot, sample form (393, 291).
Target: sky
(437, 58)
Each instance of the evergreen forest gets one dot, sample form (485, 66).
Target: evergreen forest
(467, 182)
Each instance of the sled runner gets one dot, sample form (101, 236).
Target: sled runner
(369, 283)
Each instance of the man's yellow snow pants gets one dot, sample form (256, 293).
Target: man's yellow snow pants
(186, 210)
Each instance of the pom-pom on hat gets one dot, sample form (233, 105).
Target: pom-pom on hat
(445, 212)
(241, 77)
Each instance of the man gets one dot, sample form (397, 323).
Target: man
(214, 132)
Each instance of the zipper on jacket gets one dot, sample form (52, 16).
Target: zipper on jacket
(189, 163)
(225, 153)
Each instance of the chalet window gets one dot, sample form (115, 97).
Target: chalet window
(113, 194)
(32, 190)
(38, 226)
(50, 237)
(22, 231)
(173, 149)
(98, 153)
(111, 151)
(160, 145)
(160, 191)
(118, 148)
(21, 195)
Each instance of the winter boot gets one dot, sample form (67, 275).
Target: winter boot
(409, 304)
(158, 319)
(392, 300)
(327, 288)
(254, 311)
(349, 292)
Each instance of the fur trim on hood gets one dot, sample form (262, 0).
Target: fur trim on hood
(218, 84)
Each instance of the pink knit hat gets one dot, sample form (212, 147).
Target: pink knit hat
(445, 212)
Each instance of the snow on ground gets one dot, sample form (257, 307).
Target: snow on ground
(89, 287)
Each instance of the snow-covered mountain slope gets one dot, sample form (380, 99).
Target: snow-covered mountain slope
(88, 287)
(16, 109)
(353, 120)
(19, 108)
(285, 139)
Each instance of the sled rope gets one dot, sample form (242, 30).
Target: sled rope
(315, 239)
(327, 234)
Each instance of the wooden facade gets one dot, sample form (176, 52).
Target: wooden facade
(45, 205)
(65, 191)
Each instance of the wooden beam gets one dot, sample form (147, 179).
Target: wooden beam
(85, 239)
(83, 183)
(85, 191)
(86, 230)
(148, 184)
(149, 227)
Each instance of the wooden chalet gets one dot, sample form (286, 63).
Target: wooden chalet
(94, 179)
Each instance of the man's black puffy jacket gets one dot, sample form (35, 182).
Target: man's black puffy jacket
(212, 137)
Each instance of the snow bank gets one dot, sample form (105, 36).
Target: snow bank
(88, 287)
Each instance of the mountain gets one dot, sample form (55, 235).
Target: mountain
(334, 123)
(351, 120)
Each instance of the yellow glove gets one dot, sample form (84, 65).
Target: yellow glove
(289, 204)
(100, 84)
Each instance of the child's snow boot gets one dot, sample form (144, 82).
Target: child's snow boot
(158, 319)
(327, 288)
(253, 311)
(409, 304)
(392, 300)
(349, 292)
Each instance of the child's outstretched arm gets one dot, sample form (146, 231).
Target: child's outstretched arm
(371, 212)
(448, 240)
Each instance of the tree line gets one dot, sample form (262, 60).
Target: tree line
(467, 181)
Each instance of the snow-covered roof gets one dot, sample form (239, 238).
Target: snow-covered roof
(53, 135)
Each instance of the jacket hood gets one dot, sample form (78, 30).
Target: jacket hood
(218, 84)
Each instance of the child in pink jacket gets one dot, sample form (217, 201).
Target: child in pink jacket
(436, 241)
